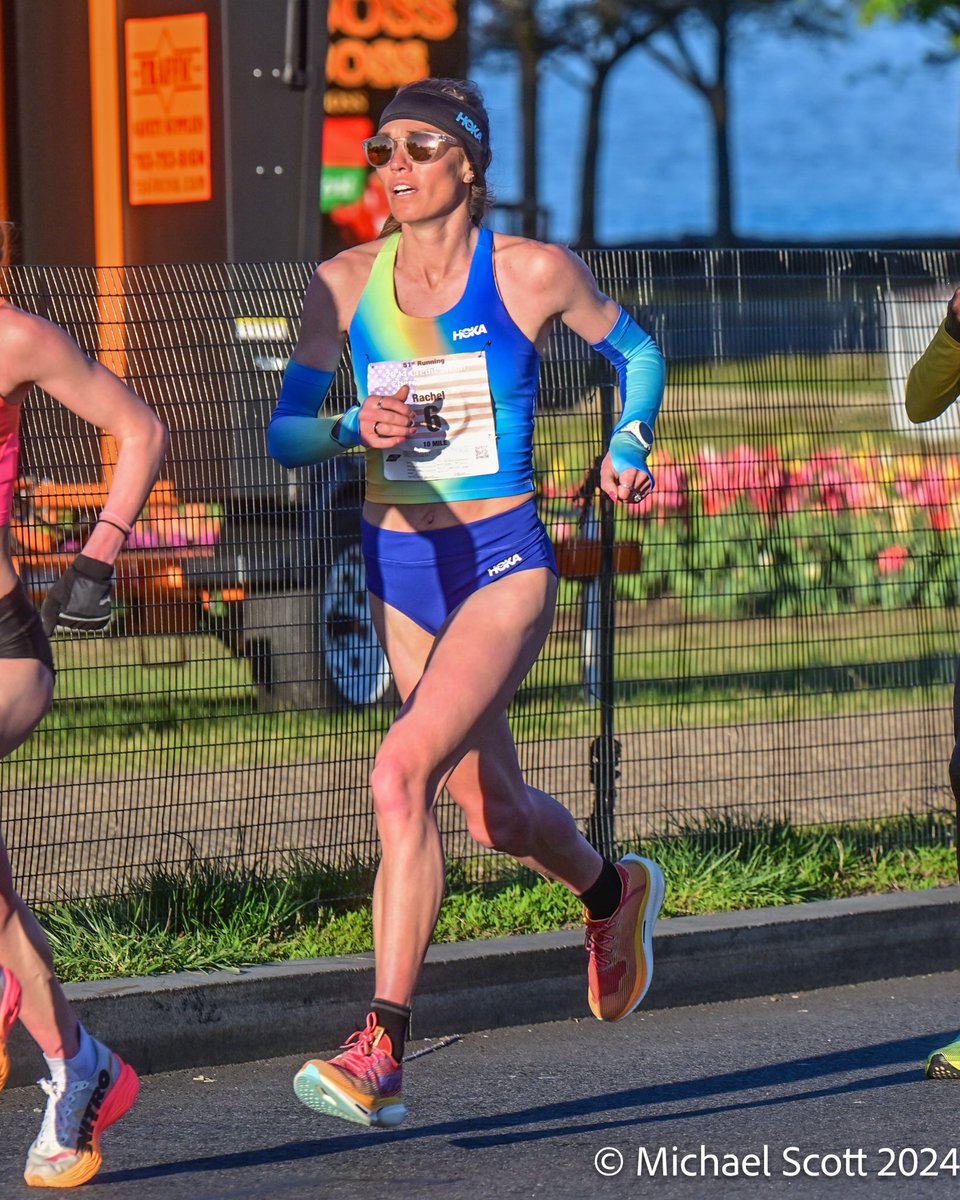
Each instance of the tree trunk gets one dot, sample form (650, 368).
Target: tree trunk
(718, 99)
(529, 101)
(587, 237)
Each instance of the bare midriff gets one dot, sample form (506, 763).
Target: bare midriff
(414, 518)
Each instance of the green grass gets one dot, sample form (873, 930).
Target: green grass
(207, 918)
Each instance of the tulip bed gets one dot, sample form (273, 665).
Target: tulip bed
(746, 531)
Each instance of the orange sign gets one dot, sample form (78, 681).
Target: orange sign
(378, 45)
(168, 109)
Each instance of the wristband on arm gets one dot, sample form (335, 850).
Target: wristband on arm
(642, 375)
(346, 431)
(111, 518)
(297, 435)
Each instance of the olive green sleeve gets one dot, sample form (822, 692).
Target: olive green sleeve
(934, 380)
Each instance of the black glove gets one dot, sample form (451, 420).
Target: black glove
(80, 599)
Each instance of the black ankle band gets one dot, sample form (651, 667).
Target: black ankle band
(395, 1019)
(602, 899)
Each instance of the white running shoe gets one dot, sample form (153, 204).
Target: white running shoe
(67, 1150)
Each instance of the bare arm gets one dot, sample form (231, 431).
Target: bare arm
(36, 351)
(325, 319)
(298, 433)
(564, 284)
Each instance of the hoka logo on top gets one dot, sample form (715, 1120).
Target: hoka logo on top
(468, 331)
(470, 126)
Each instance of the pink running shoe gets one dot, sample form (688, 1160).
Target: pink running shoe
(361, 1084)
(9, 1011)
(621, 947)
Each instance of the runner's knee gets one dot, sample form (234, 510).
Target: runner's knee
(399, 794)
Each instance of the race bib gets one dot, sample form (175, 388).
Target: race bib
(455, 435)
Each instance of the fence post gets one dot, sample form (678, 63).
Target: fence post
(605, 749)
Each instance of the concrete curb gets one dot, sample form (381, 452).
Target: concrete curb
(194, 1019)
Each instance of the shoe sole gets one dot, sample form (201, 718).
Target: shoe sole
(9, 1011)
(118, 1102)
(321, 1094)
(658, 889)
(652, 904)
(939, 1067)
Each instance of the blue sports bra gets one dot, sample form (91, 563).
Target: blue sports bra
(465, 362)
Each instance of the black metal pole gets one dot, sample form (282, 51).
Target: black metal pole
(305, 70)
(605, 751)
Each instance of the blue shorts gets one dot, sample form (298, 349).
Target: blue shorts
(427, 575)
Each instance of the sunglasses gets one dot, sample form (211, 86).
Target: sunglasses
(421, 146)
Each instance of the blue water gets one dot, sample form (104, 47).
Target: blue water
(856, 139)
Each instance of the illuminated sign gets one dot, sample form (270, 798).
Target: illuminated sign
(345, 166)
(261, 329)
(168, 109)
(381, 44)
(375, 47)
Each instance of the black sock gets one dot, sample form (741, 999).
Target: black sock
(395, 1019)
(602, 899)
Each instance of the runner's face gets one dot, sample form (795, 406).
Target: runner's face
(420, 190)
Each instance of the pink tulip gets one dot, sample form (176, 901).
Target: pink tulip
(891, 560)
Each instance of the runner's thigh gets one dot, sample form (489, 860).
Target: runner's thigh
(478, 661)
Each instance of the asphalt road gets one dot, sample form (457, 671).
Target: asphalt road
(808, 1087)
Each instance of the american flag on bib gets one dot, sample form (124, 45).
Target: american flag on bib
(455, 434)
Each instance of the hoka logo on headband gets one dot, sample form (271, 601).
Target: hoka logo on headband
(470, 126)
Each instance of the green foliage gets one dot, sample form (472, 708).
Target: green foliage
(934, 12)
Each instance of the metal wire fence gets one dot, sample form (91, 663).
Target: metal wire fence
(772, 637)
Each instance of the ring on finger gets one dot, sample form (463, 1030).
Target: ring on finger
(379, 402)
(376, 431)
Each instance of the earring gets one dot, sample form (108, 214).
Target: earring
(468, 179)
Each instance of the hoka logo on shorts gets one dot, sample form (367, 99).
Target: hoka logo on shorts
(468, 331)
(470, 126)
(507, 563)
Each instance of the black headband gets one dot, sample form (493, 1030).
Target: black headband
(457, 117)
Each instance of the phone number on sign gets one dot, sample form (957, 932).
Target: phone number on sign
(884, 1162)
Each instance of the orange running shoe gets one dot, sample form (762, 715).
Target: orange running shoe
(67, 1150)
(361, 1084)
(621, 947)
(9, 1011)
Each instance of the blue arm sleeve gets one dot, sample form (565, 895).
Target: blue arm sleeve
(642, 375)
(297, 434)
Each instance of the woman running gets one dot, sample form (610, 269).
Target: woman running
(446, 321)
(89, 1087)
